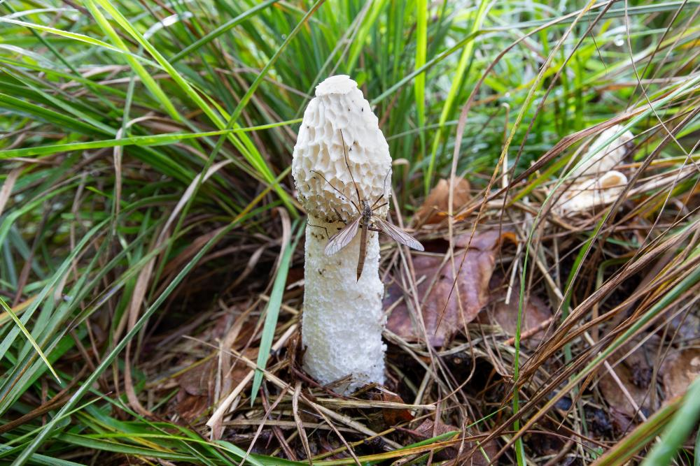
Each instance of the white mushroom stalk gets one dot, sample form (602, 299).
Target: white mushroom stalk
(343, 319)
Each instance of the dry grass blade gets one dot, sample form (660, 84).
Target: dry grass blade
(6, 190)
(147, 232)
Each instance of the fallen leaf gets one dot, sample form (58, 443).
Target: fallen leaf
(392, 416)
(608, 158)
(620, 422)
(196, 385)
(435, 206)
(536, 314)
(427, 429)
(241, 370)
(589, 193)
(485, 240)
(596, 182)
(196, 381)
(635, 373)
(687, 326)
(545, 444)
(441, 310)
(680, 369)
(191, 407)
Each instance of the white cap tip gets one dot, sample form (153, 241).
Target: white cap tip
(339, 84)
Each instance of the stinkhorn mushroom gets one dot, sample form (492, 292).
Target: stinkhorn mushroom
(597, 183)
(340, 155)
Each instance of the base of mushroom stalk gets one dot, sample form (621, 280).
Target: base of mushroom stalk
(343, 319)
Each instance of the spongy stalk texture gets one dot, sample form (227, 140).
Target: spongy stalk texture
(343, 320)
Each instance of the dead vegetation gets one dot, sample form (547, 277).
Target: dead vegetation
(148, 232)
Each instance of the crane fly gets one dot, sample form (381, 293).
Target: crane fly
(365, 221)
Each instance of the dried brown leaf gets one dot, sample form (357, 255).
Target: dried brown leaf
(196, 386)
(636, 375)
(679, 369)
(190, 407)
(240, 371)
(392, 417)
(536, 314)
(441, 310)
(435, 206)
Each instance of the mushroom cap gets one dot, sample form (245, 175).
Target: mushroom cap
(340, 116)
(607, 158)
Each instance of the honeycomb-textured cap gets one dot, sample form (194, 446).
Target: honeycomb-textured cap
(338, 113)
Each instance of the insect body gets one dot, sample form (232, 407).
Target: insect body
(364, 222)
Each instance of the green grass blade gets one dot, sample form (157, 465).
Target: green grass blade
(145, 76)
(48, 115)
(43, 460)
(222, 29)
(678, 430)
(109, 358)
(48, 429)
(58, 32)
(639, 438)
(29, 337)
(432, 62)
(273, 310)
(448, 107)
(72, 36)
(10, 337)
(421, 53)
(143, 141)
(359, 43)
(245, 146)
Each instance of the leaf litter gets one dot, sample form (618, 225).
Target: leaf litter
(446, 309)
(456, 375)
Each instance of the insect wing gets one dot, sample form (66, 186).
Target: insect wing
(398, 234)
(343, 237)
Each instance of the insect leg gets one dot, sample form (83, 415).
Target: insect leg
(363, 252)
(379, 206)
(347, 164)
(378, 199)
(384, 186)
(337, 190)
(340, 217)
(319, 226)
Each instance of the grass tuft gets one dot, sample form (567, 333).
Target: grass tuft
(151, 262)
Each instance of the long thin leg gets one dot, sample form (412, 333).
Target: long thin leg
(385, 178)
(337, 190)
(340, 217)
(378, 199)
(379, 206)
(363, 253)
(319, 226)
(347, 164)
(383, 194)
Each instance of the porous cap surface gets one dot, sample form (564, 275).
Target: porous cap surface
(340, 115)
